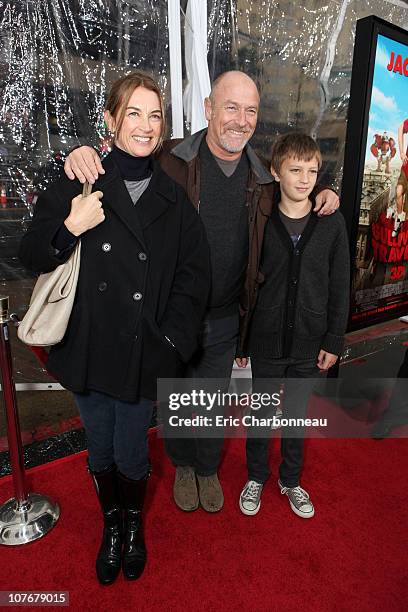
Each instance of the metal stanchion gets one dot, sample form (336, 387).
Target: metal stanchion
(27, 516)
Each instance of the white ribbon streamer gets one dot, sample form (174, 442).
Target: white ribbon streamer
(198, 77)
(177, 120)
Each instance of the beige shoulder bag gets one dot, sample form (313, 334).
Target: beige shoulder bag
(47, 317)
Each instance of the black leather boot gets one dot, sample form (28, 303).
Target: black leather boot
(132, 493)
(108, 560)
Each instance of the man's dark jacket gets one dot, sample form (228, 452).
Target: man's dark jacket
(144, 275)
(180, 159)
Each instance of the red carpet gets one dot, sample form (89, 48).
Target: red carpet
(351, 556)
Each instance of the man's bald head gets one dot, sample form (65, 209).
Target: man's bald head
(231, 111)
(232, 78)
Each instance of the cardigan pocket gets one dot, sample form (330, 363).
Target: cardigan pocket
(310, 323)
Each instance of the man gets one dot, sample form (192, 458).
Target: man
(233, 192)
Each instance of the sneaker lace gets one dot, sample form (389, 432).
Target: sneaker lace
(252, 491)
(300, 494)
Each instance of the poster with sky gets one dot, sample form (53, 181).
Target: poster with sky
(380, 283)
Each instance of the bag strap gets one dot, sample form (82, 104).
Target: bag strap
(87, 189)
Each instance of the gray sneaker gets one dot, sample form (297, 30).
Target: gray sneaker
(250, 498)
(299, 500)
(210, 491)
(185, 488)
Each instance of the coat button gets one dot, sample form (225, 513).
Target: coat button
(137, 296)
(294, 281)
(142, 256)
(106, 247)
(102, 286)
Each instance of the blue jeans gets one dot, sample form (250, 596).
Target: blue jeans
(116, 432)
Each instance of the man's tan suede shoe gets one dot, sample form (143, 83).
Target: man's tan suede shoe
(210, 491)
(185, 488)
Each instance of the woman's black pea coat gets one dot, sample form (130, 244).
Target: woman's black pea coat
(144, 275)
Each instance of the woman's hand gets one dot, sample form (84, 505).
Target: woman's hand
(241, 362)
(327, 202)
(326, 360)
(85, 214)
(83, 163)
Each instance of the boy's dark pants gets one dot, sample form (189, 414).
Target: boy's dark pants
(296, 396)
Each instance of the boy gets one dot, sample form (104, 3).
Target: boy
(301, 314)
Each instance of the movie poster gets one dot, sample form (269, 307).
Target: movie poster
(380, 283)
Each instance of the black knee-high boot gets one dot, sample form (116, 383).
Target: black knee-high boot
(132, 494)
(108, 560)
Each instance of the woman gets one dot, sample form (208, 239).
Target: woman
(142, 290)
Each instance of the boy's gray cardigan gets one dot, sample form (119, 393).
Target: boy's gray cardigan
(303, 303)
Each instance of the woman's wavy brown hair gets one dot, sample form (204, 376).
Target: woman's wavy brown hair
(120, 94)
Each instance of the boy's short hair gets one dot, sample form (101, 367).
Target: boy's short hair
(297, 145)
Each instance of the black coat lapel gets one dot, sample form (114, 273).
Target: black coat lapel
(160, 193)
(116, 197)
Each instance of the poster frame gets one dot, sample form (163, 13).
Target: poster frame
(367, 31)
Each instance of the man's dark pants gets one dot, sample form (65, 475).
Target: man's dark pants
(296, 396)
(214, 360)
